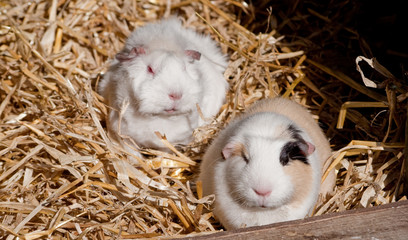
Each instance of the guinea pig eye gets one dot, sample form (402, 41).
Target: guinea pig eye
(245, 157)
(292, 151)
(150, 70)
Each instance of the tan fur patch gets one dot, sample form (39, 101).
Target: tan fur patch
(301, 175)
(239, 150)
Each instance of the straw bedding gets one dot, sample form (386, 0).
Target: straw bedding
(61, 176)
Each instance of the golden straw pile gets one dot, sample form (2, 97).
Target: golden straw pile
(61, 176)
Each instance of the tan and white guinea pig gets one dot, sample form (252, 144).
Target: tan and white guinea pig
(164, 71)
(266, 166)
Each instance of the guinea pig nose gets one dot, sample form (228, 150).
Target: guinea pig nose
(263, 192)
(175, 96)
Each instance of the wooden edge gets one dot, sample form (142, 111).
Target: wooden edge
(388, 221)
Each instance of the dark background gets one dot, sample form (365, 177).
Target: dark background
(345, 30)
(333, 33)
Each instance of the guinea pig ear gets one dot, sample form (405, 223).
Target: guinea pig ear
(228, 150)
(193, 54)
(307, 147)
(127, 56)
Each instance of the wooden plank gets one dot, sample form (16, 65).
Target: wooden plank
(389, 221)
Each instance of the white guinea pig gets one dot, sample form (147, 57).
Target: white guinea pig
(265, 166)
(164, 71)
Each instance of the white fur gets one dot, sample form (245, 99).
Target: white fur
(232, 180)
(200, 82)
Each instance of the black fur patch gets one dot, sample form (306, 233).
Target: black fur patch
(293, 150)
(295, 132)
